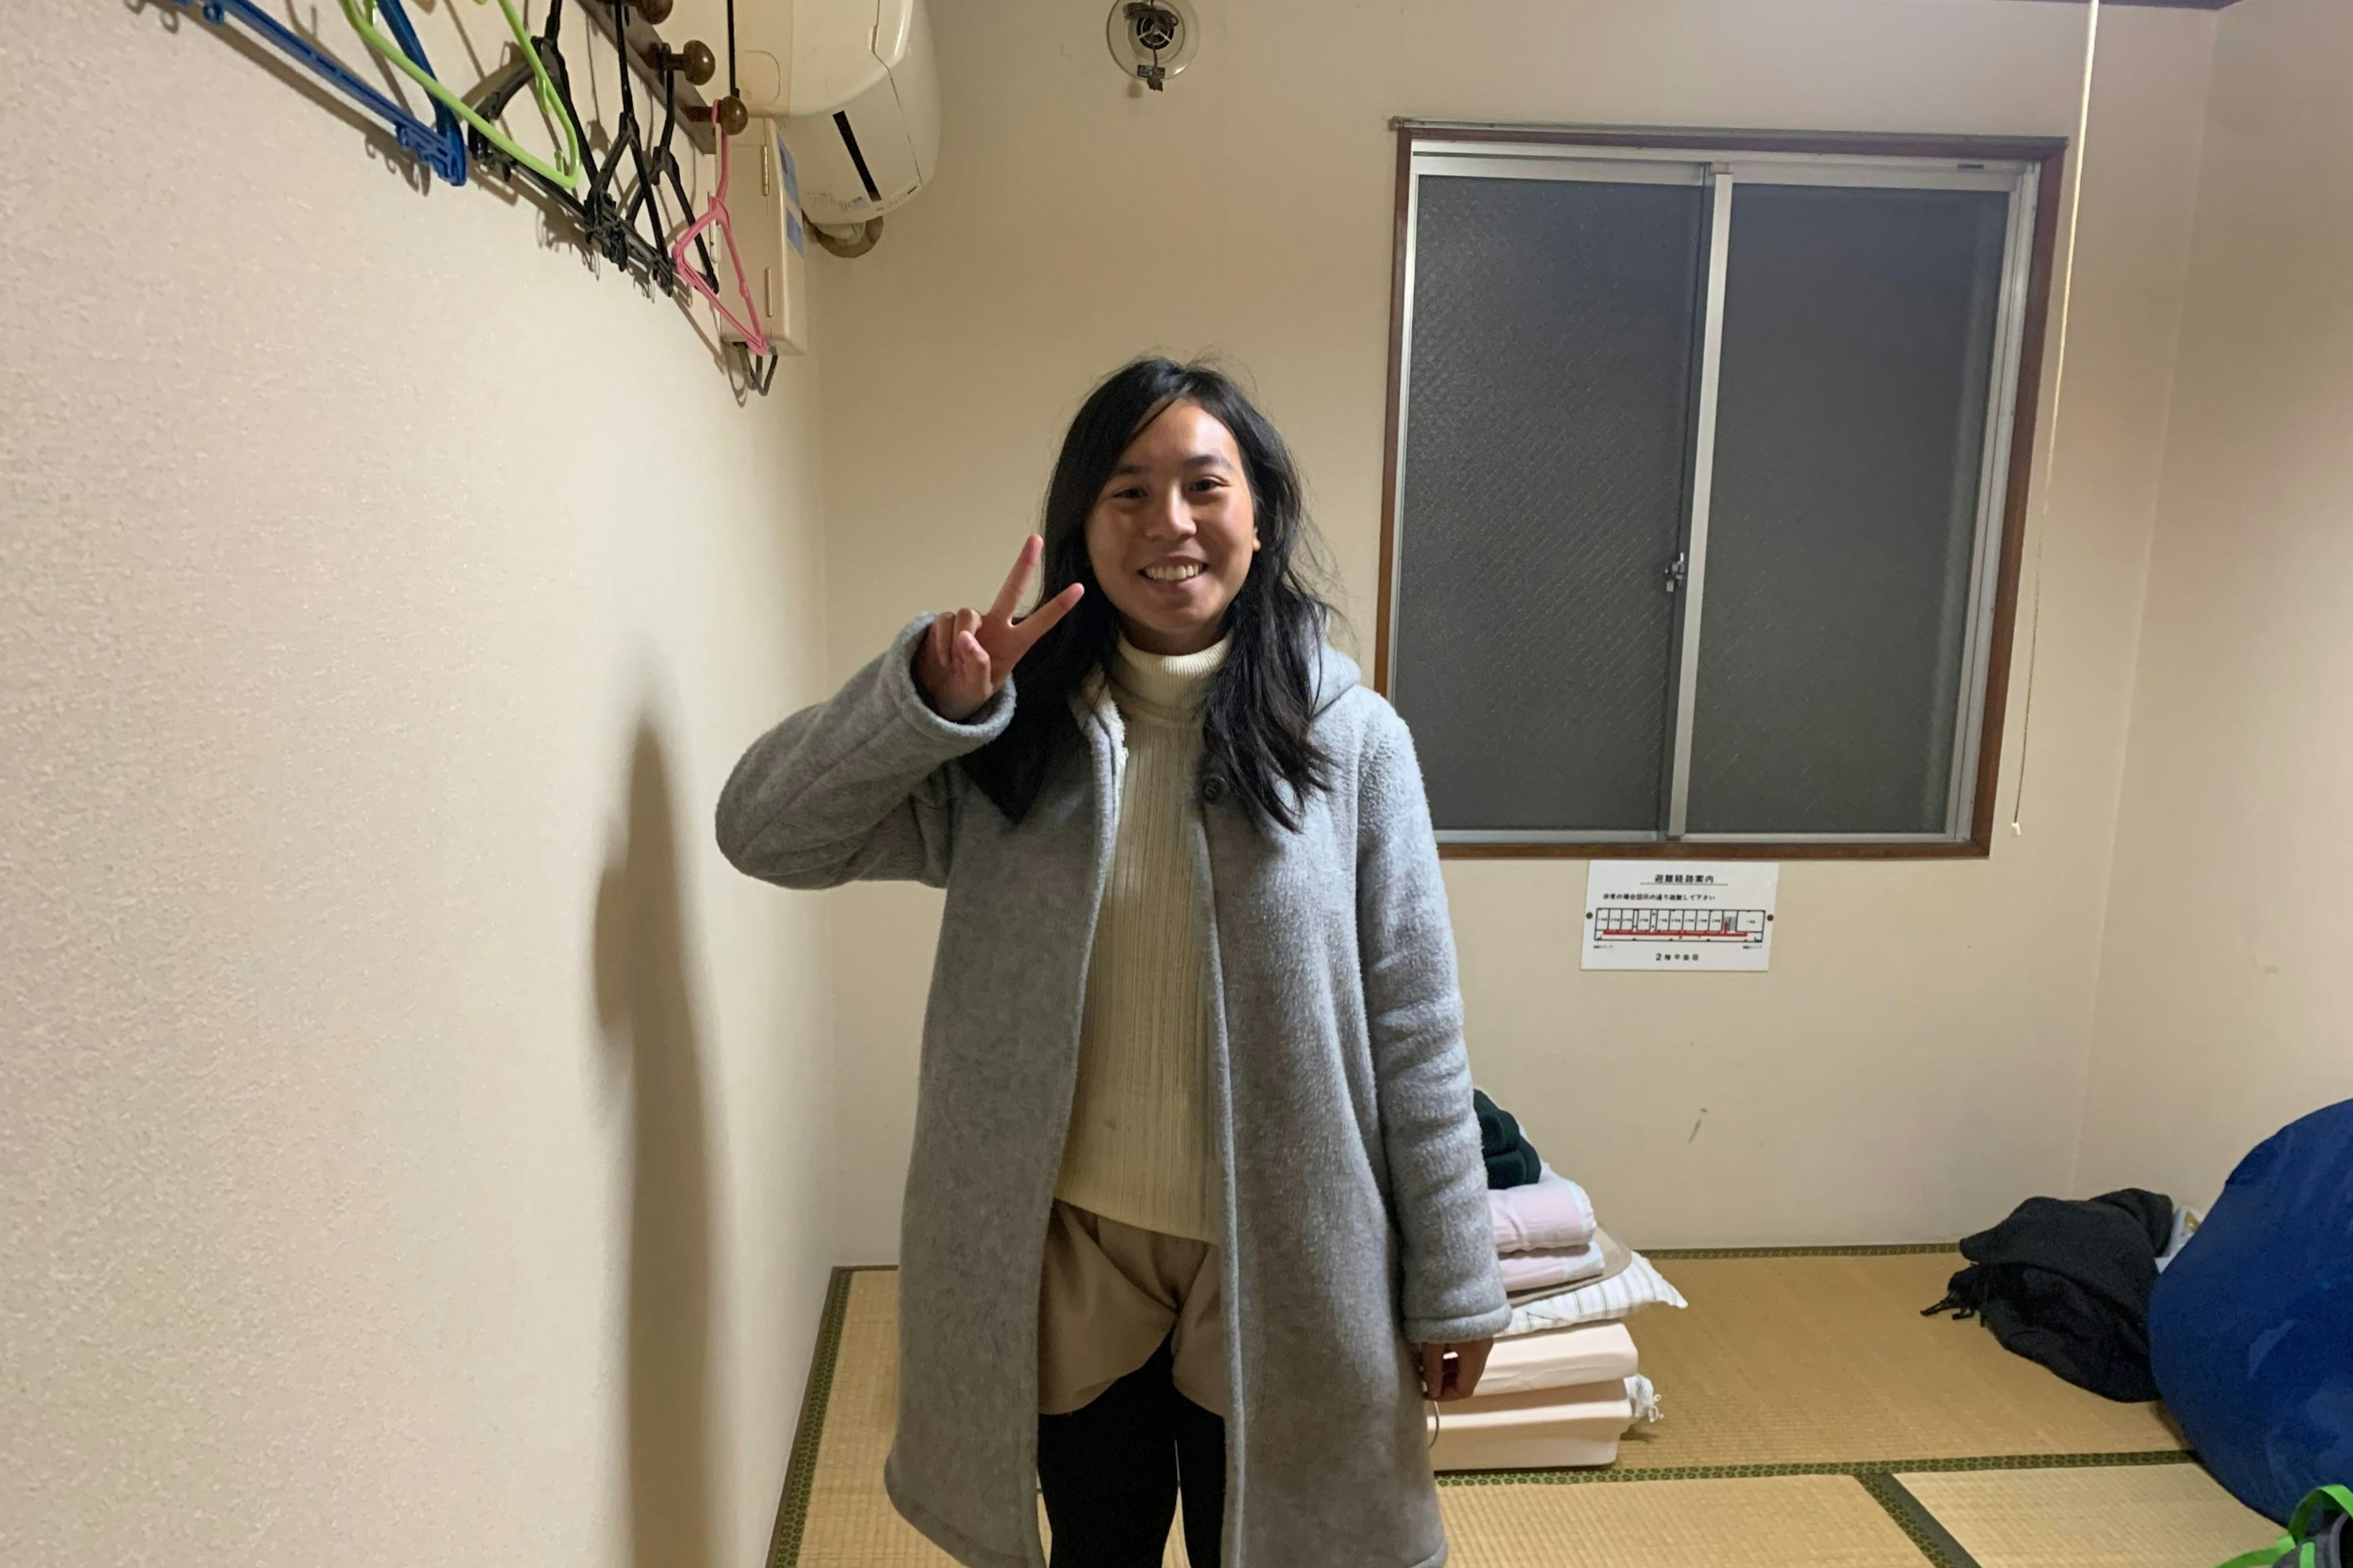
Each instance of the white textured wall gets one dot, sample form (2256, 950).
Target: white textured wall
(2226, 996)
(411, 1132)
(1915, 1062)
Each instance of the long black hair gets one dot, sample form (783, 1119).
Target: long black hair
(1255, 722)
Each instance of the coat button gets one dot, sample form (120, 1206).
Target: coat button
(1213, 788)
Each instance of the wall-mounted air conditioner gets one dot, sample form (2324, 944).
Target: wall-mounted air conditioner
(865, 127)
(856, 86)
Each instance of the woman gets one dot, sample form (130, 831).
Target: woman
(1194, 1169)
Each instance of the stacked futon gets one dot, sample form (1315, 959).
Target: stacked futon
(1562, 1384)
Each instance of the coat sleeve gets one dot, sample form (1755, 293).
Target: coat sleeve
(856, 787)
(1438, 1182)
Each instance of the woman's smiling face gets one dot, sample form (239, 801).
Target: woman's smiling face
(1172, 533)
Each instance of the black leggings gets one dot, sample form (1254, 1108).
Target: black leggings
(1112, 1473)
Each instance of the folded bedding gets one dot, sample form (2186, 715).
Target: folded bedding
(1591, 1448)
(1615, 1260)
(1545, 1430)
(1553, 1214)
(1524, 1271)
(1560, 1358)
(1605, 1401)
(1602, 1301)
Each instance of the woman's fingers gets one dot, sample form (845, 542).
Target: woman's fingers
(1452, 1372)
(1470, 1365)
(933, 667)
(1433, 1371)
(1040, 621)
(971, 653)
(1017, 582)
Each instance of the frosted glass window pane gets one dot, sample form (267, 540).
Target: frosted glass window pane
(1547, 427)
(1858, 341)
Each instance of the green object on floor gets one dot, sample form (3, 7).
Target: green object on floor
(2320, 1535)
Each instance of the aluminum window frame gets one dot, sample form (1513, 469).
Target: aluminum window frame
(2025, 169)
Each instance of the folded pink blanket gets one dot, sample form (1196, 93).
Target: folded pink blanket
(1553, 1212)
(1543, 1271)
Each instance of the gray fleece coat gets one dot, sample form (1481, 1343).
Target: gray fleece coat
(1354, 1204)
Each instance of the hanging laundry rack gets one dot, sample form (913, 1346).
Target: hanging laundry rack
(616, 202)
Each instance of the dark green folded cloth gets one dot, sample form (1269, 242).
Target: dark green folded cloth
(1511, 1160)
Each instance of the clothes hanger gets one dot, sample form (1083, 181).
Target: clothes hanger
(728, 116)
(566, 168)
(696, 64)
(647, 257)
(716, 213)
(438, 149)
(666, 166)
(611, 225)
(452, 143)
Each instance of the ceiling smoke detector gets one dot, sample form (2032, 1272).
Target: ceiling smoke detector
(1152, 40)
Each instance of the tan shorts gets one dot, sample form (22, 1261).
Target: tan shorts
(1110, 1294)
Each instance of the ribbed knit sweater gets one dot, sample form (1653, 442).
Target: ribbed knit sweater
(1141, 1148)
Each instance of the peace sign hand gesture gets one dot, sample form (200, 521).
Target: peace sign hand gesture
(966, 656)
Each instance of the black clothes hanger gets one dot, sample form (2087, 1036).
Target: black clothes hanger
(606, 224)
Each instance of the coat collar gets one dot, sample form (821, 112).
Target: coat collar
(1091, 704)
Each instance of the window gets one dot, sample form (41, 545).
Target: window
(1705, 462)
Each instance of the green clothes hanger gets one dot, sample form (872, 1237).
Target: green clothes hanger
(565, 170)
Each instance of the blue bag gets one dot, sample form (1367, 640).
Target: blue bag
(2250, 1327)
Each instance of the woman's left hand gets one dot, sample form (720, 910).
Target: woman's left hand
(1452, 1372)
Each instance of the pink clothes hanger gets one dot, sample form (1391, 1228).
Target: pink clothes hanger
(716, 213)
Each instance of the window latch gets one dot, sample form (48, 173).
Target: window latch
(1675, 570)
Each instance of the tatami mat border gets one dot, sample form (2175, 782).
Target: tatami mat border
(800, 1469)
(1712, 1254)
(1858, 1468)
(1913, 1518)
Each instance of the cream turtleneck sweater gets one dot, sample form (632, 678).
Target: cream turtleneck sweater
(1141, 1148)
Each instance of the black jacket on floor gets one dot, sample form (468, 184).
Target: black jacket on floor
(2066, 1283)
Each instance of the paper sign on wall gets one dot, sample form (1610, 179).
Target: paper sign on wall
(1679, 914)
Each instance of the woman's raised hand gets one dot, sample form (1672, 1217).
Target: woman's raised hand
(966, 656)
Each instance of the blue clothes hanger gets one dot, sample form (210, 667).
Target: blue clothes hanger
(439, 148)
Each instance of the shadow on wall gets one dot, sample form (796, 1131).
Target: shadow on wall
(648, 1016)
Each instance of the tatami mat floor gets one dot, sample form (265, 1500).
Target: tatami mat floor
(1825, 1359)
(1786, 1522)
(1814, 1419)
(2169, 1516)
